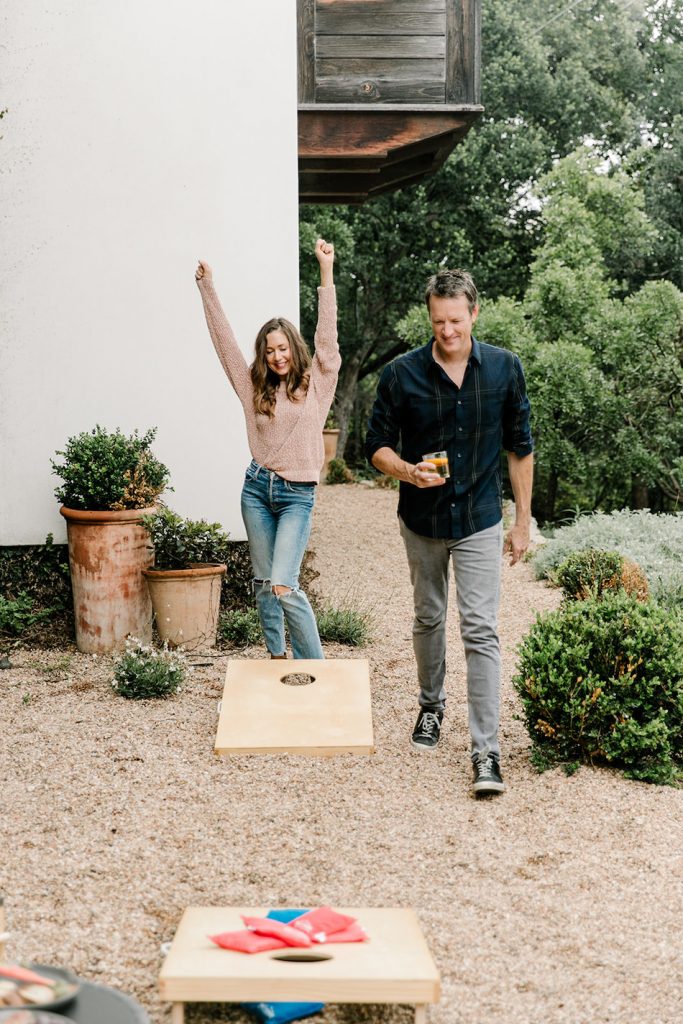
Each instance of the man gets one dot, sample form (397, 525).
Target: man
(469, 399)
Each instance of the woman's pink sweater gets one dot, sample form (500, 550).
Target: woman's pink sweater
(291, 442)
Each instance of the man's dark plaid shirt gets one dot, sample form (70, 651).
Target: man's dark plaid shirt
(419, 409)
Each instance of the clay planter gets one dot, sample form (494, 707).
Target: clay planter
(107, 553)
(186, 603)
(330, 438)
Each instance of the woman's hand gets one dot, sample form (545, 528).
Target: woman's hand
(203, 272)
(324, 252)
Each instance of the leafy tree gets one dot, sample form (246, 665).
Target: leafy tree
(552, 79)
(607, 393)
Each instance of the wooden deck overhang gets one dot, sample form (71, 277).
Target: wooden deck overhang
(350, 154)
(387, 88)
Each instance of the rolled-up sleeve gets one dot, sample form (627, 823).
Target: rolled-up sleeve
(516, 425)
(384, 427)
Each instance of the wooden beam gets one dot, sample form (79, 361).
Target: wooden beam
(380, 46)
(351, 7)
(466, 109)
(347, 133)
(337, 21)
(463, 56)
(373, 80)
(305, 14)
(316, 182)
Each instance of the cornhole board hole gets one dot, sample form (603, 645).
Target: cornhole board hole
(261, 714)
(394, 966)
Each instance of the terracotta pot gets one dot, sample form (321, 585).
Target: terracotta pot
(107, 552)
(330, 438)
(186, 603)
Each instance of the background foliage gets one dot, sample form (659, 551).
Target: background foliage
(565, 202)
(601, 681)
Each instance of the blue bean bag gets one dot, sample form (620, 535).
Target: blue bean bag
(282, 1013)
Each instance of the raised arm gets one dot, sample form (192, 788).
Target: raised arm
(326, 361)
(224, 341)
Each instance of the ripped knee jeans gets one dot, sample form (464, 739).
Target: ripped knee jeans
(277, 516)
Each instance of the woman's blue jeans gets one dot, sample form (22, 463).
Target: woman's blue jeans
(277, 515)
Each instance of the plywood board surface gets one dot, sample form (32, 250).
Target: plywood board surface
(394, 966)
(262, 715)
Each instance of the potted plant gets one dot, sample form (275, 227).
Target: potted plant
(186, 577)
(109, 481)
(330, 439)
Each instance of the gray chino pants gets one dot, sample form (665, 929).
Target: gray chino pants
(477, 570)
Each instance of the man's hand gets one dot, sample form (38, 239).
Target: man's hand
(424, 475)
(516, 542)
(324, 252)
(203, 271)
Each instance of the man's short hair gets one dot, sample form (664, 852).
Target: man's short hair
(448, 284)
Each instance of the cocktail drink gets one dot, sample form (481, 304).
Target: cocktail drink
(440, 462)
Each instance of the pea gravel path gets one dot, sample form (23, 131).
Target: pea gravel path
(560, 902)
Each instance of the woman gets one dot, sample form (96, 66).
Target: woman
(286, 397)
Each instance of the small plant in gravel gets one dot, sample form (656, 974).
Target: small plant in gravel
(240, 628)
(142, 671)
(592, 572)
(601, 681)
(653, 541)
(344, 625)
(108, 471)
(18, 615)
(339, 473)
(388, 482)
(179, 543)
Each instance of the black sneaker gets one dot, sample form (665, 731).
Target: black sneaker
(487, 777)
(427, 731)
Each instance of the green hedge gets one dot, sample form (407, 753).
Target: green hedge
(601, 681)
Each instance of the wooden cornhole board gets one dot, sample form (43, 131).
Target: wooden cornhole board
(262, 715)
(394, 966)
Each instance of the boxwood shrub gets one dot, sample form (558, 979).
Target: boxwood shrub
(592, 572)
(601, 682)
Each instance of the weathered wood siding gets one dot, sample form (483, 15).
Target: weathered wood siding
(388, 51)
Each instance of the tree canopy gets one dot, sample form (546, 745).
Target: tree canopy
(564, 201)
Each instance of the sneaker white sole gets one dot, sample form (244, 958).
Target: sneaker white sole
(423, 748)
(488, 787)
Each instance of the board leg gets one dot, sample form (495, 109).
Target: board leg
(178, 1013)
(421, 1014)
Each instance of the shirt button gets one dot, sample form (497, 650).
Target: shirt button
(459, 402)
(459, 455)
(460, 429)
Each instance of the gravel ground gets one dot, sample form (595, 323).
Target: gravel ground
(559, 902)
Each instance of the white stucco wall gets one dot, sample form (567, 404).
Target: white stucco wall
(139, 137)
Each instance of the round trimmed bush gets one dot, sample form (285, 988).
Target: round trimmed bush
(109, 471)
(601, 681)
(593, 572)
(339, 473)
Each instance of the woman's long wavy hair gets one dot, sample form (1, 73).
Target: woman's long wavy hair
(262, 377)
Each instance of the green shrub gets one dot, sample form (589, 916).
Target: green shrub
(105, 471)
(180, 542)
(39, 570)
(240, 628)
(601, 681)
(141, 671)
(593, 572)
(18, 615)
(344, 625)
(654, 542)
(388, 482)
(339, 473)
